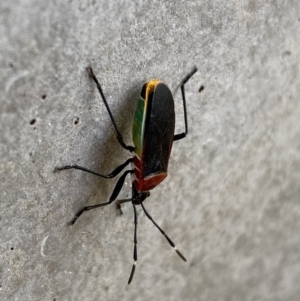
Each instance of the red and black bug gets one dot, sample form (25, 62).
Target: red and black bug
(153, 137)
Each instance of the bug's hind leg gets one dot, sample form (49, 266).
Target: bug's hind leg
(113, 196)
(119, 136)
(182, 135)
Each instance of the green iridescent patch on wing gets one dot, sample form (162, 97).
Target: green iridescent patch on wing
(139, 125)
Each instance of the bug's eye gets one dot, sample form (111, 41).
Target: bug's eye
(143, 92)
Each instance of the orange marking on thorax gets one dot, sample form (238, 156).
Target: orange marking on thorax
(145, 184)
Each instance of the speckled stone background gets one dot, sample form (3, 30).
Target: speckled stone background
(232, 199)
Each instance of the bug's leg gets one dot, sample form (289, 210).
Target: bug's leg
(135, 245)
(113, 196)
(182, 135)
(108, 176)
(119, 136)
(119, 202)
(163, 232)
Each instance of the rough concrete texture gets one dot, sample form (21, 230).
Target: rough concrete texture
(231, 201)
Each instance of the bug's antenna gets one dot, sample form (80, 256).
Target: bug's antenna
(135, 245)
(163, 232)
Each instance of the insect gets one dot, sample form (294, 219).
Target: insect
(153, 137)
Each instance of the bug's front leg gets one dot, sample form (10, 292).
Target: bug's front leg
(112, 198)
(119, 202)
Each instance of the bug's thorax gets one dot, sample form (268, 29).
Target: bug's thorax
(144, 183)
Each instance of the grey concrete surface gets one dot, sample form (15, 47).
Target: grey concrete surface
(232, 199)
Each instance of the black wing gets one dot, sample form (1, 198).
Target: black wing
(159, 130)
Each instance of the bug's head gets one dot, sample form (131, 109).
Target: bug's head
(140, 197)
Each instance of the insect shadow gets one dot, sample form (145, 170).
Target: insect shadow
(112, 154)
